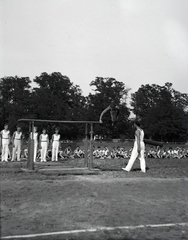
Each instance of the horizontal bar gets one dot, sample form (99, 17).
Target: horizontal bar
(55, 121)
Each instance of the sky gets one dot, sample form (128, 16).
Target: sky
(134, 41)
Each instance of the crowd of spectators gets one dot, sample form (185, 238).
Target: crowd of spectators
(62, 154)
(100, 152)
(170, 152)
(152, 152)
(117, 153)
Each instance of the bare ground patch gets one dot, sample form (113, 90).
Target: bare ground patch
(35, 203)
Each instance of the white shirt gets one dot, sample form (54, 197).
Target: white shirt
(35, 136)
(56, 137)
(5, 136)
(44, 137)
(141, 136)
(17, 135)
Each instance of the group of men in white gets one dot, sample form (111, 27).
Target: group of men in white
(5, 140)
(16, 140)
(42, 151)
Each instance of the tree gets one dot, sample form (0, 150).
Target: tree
(14, 99)
(161, 111)
(108, 90)
(57, 98)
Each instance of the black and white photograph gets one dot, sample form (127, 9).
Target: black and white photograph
(94, 119)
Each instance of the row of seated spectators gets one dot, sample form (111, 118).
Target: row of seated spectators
(117, 152)
(167, 152)
(152, 152)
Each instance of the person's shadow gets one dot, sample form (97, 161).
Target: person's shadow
(138, 169)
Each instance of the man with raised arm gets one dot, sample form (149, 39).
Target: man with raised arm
(114, 113)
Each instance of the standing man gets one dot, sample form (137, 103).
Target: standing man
(4, 143)
(17, 142)
(55, 145)
(44, 142)
(35, 138)
(138, 149)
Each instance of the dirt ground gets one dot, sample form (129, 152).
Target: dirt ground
(34, 203)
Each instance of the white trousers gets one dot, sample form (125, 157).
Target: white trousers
(55, 150)
(5, 151)
(16, 149)
(43, 151)
(35, 151)
(134, 156)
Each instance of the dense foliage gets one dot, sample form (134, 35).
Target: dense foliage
(161, 109)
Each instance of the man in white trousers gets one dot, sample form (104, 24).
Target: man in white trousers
(44, 141)
(138, 149)
(4, 143)
(17, 142)
(55, 145)
(35, 138)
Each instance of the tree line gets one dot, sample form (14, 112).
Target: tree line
(160, 109)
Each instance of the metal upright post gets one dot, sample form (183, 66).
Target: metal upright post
(28, 147)
(91, 148)
(30, 160)
(86, 146)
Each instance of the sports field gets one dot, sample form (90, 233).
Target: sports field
(112, 204)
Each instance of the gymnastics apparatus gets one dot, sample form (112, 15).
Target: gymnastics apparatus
(88, 162)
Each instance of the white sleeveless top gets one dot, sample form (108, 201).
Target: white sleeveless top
(44, 137)
(56, 137)
(35, 136)
(141, 136)
(17, 135)
(5, 136)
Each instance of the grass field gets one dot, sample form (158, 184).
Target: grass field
(110, 205)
